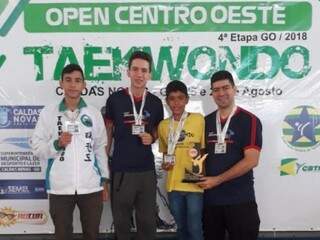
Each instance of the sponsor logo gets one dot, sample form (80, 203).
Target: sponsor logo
(184, 135)
(292, 167)
(288, 167)
(4, 117)
(19, 117)
(301, 128)
(19, 162)
(9, 216)
(22, 189)
(86, 120)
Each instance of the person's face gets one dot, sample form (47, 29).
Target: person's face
(177, 102)
(139, 73)
(72, 84)
(223, 93)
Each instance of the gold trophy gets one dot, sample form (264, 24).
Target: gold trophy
(194, 174)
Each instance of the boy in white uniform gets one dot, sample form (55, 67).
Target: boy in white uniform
(71, 135)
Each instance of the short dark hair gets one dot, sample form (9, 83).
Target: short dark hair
(71, 68)
(222, 75)
(140, 55)
(175, 86)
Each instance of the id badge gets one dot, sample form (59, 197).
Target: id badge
(220, 148)
(169, 159)
(137, 129)
(73, 127)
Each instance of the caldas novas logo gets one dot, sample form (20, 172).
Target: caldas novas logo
(301, 128)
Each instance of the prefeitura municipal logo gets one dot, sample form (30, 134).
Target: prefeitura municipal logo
(4, 116)
(19, 117)
(301, 128)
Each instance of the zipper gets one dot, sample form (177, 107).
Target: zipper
(76, 164)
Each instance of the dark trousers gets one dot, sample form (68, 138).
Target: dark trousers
(61, 211)
(240, 221)
(136, 190)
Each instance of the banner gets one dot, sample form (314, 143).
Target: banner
(271, 48)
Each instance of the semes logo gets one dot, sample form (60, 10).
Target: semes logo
(19, 117)
(22, 189)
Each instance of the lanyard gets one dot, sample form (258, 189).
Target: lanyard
(222, 134)
(138, 118)
(174, 135)
(72, 116)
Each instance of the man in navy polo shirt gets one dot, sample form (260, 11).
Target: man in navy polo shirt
(132, 118)
(233, 142)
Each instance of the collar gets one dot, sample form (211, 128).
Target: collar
(63, 107)
(223, 120)
(136, 99)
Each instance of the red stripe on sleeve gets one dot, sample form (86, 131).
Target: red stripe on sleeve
(253, 130)
(253, 147)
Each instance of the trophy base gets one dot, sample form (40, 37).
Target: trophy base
(191, 180)
(190, 177)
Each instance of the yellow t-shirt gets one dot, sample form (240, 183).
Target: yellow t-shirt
(192, 133)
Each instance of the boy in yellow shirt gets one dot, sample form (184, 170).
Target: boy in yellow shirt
(179, 136)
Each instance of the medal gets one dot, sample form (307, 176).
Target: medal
(138, 127)
(169, 159)
(71, 125)
(173, 136)
(221, 146)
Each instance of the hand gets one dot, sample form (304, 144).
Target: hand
(105, 192)
(167, 166)
(64, 139)
(209, 182)
(146, 138)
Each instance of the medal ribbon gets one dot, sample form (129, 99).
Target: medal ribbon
(174, 135)
(221, 134)
(138, 117)
(74, 115)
